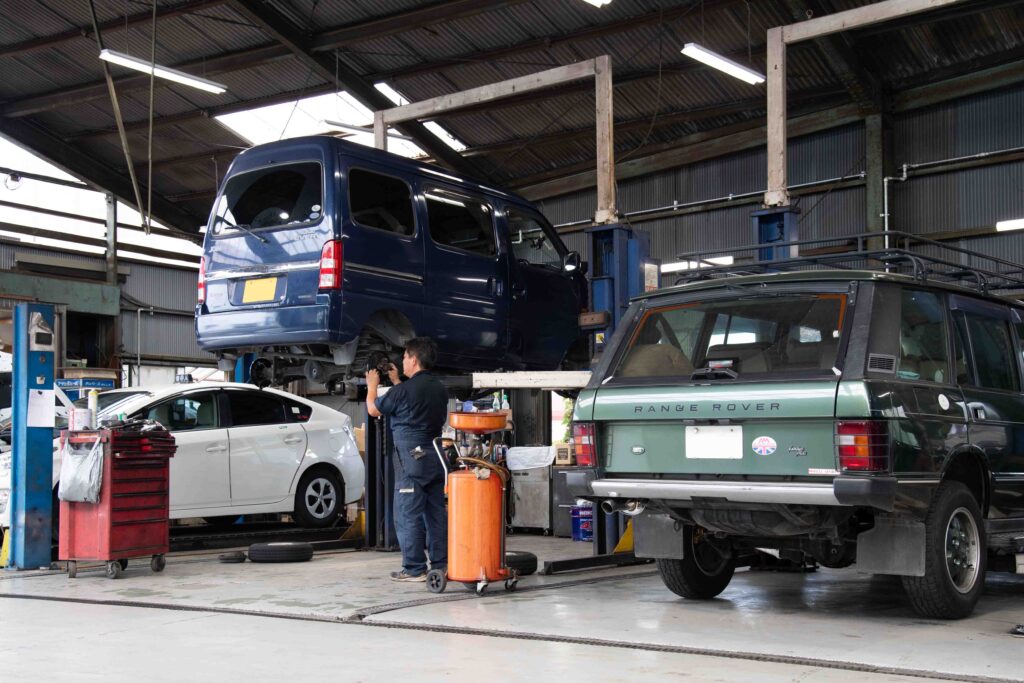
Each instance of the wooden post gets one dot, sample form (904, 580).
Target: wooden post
(777, 194)
(380, 131)
(606, 211)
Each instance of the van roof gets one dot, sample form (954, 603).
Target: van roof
(371, 154)
(819, 276)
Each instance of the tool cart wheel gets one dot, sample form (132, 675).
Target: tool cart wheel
(510, 584)
(72, 569)
(123, 563)
(158, 563)
(437, 580)
(114, 569)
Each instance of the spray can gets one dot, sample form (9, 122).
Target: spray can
(93, 403)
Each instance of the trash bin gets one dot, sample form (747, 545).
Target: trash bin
(131, 517)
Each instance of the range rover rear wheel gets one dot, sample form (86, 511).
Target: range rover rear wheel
(704, 572)
(954, 556)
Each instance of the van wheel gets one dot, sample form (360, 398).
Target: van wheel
(318, 499)
(705, 570)
(954, 556)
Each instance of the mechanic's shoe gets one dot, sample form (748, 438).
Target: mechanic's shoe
(1018, 631)
(403, 576)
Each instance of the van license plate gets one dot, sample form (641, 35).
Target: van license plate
(715, 442)
(259, 290)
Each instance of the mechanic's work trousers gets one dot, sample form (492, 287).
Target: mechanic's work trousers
(421, 519)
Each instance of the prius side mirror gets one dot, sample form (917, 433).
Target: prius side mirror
(571, 263)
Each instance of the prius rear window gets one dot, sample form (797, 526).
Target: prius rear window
(270, 197)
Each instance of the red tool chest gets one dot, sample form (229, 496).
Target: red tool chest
(131, 517)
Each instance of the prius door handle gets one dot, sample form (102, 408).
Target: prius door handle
(216, 449)
(293, 439)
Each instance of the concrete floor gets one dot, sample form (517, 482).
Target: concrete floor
(340, 617)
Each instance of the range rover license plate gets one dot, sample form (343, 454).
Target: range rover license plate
(715, 442)
(257, 291)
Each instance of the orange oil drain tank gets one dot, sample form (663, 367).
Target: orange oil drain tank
(476, 523)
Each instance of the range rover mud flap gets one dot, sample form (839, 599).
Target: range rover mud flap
(893, 546)
(657, 536)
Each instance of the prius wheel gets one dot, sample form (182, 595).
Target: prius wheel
(318, 499)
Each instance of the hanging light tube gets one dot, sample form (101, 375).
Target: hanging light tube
(598, 3)
(164, 72)
(1014, 224)
(717, 61)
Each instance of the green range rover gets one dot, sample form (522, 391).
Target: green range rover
(850, 417)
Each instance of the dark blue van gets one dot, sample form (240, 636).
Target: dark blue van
(321, 252)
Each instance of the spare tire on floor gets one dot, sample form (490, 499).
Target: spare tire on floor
(280, 552)
(523, 562)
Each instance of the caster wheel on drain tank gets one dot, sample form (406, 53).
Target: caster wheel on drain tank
(510, 584)
(72, 569)
(437, 580)
(114, 569)
(158, 563)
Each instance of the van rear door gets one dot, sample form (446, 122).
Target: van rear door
(267, 233)
(467, 286)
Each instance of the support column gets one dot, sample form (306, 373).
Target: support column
(777, 194)
(878, 153)
(606, 211)
(111, 239)
(380, 131)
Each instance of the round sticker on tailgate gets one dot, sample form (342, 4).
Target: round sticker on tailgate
(764, 445)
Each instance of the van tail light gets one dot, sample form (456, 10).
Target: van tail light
(585, 443)
(330, 265)
(201, 286)
(863, 446)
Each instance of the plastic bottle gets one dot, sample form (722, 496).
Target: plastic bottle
(495, 404)
(504, 401)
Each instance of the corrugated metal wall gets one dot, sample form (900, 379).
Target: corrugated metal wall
(925, 204)
(164, 287)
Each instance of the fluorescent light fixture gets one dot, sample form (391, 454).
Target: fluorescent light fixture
(1015, 224)
(680, 266)
(717, 61)
(161, 71)
(598, 3)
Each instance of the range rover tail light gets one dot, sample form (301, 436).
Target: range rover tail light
(331, 259)
(585, 443)
(862, 446)
(201, 285)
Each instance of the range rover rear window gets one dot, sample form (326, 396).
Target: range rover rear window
(784, 334)
(270, 197)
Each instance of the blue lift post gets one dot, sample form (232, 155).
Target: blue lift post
(779, 224)
(32, 436)
(621, 269)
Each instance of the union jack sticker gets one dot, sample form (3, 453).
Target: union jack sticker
(764, 445)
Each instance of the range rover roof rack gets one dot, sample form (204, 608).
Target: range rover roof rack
(892, 252)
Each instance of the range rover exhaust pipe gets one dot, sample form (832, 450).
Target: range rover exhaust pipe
(630, 508)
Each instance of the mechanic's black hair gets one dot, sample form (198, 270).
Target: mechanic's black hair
(424, 350)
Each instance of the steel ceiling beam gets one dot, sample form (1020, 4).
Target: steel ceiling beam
(280, 28)
(406, 21)
(44, 42)
(839, 52)
(555, 40)
(85, 166)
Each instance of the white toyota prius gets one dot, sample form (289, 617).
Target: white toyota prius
(241, 450)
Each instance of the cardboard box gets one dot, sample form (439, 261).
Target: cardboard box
(360, 436)
(91, 373)
(564, 454)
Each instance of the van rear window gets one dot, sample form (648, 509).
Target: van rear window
(759, 336)
(269, 197)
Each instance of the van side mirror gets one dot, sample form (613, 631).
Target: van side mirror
(571, 262)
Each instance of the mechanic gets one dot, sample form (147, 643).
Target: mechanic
(417, 409)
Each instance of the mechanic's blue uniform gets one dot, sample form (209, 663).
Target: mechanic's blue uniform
(416, 410)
